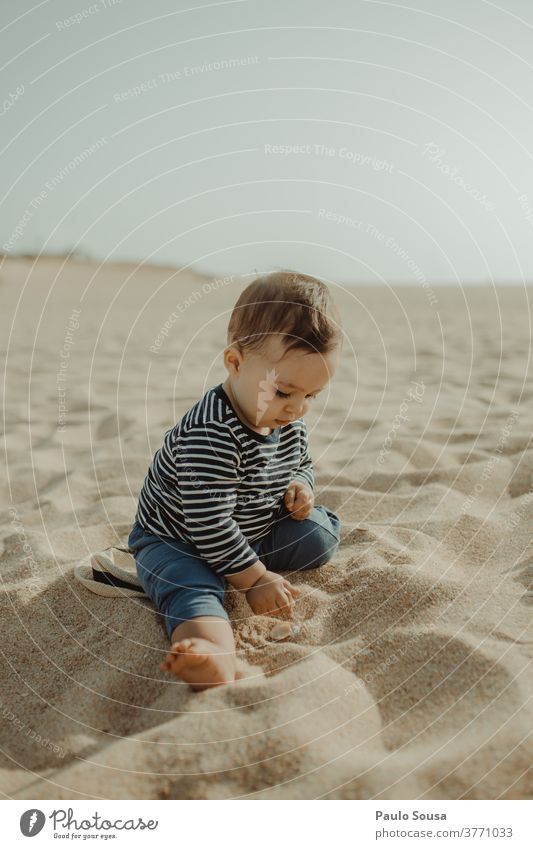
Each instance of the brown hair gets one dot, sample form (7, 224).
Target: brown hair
(295, 305)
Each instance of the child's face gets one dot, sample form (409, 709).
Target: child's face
(271, 388)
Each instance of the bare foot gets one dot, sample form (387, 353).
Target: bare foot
(200, 663)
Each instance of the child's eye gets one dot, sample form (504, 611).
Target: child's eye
(287, 394)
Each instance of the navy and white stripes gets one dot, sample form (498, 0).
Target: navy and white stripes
(217, 484)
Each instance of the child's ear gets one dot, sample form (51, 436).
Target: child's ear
(232, 359)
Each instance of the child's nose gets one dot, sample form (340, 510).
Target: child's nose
(295, 409)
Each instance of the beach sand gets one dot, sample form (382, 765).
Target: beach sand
(411, 675)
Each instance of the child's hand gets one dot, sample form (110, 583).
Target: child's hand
(299, 500)
(272, 595)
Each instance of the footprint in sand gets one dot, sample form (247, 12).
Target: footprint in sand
(112, 425)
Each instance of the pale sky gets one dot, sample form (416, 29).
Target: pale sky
(356, 140)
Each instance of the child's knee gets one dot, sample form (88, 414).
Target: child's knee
(320, 543)
(325, 547)
(327, 535)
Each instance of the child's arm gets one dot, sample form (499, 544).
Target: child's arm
(207, 475)
(299, 497)
(244, 580)
(304, 471)
(207, 472)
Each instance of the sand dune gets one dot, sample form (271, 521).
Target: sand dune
(411, 676)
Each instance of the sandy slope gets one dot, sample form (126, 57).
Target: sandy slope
(411, 677)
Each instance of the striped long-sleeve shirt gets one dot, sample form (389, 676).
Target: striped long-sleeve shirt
(218, 484)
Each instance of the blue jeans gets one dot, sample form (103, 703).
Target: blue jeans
(182, 585)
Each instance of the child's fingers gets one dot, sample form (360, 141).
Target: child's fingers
(300, 514)
(290, 496)
(283, 598)
(303, 501)
(285, 603)
(294, 591)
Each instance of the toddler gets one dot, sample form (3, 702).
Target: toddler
(228, 498)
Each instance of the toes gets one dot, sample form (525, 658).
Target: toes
(173, 657)
(177, 650)
(181, 646)
(195, 658)
(192, 661)
(182, 654)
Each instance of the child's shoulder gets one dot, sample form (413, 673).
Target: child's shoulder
(209, 414)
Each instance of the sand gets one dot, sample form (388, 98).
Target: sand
(410, 677)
